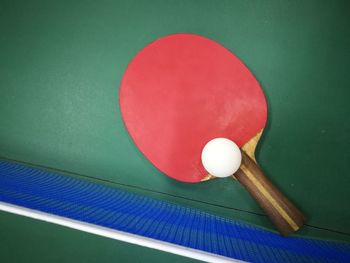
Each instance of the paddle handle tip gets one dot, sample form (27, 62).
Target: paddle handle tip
(286, 217)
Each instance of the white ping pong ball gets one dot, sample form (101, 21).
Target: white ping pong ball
(221, 157)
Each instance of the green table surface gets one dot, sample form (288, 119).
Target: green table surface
(28, 240)
(61, 63)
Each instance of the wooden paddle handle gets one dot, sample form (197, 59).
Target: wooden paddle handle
(284, 215)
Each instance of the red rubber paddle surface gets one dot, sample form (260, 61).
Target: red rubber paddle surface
(183, 90)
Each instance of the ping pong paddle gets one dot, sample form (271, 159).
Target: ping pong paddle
(183, 90)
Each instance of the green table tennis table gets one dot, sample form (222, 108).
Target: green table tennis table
(61, 63)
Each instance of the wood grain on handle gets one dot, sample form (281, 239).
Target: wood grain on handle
(284, 215)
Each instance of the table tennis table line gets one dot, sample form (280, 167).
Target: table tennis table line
(115, 234)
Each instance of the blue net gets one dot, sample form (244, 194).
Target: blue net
(125, 211)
